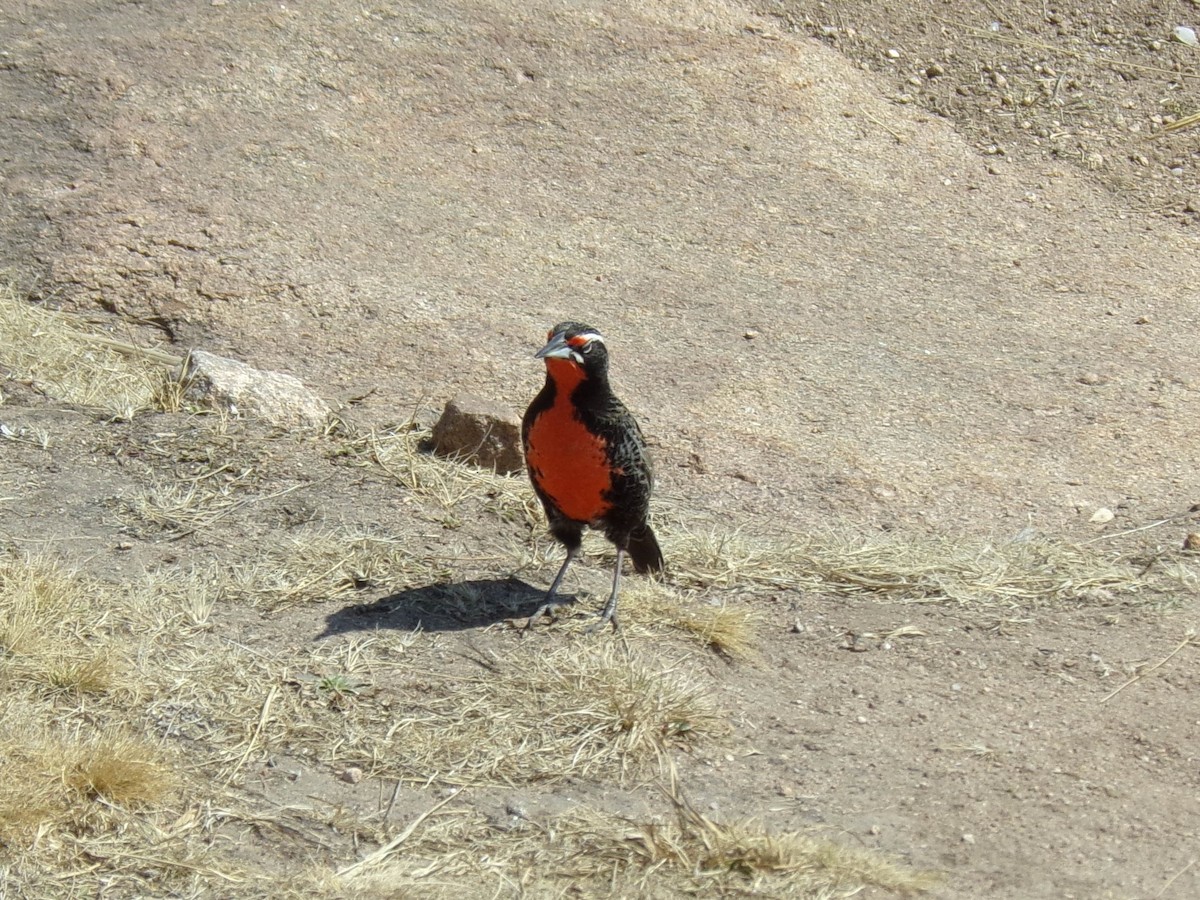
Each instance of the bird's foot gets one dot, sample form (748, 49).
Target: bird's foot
(608, 615)
(546, 609)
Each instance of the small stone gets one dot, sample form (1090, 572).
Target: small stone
(1142, 320)
(1091, 378)
(515, 809)
(481, 432)
(968, 839)
(861, 720)
(352, 775)
(855, 643)
(1192, 542)
(893, 53)
(238, 388)
(785, 790)
(934, 70)
(1102, 516)
(750, 334)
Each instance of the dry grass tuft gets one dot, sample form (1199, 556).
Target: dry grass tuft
(598, 854)
(30, 794)
(48, 776)
(183, 507)
(99, 673)
(401, 453)
(1015, 574)
(583, 709)
(720, 626)
(69, 362)
(117, 767)
(51, 635)
(37, 594)
(318, 566)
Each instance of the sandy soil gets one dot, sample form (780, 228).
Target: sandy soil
(843, 290)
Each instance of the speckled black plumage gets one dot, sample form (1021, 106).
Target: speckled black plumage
(595, 405)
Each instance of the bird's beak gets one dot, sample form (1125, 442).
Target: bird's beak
(557, 348)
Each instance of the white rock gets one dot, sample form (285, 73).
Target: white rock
(1102, 515)
(238, 389)
(1185, 35)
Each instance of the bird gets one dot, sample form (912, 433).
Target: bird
(587, 460)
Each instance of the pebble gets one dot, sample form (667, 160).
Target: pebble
(515, 810)
(1192, 542)
(968, 838)
(352, 775)
(1091, 378)
(893, 53)
(1102, 515)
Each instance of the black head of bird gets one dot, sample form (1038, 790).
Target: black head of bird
(576, 344)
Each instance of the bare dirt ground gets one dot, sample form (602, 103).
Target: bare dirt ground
(908, 277)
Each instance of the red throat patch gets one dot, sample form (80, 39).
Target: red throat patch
(566, 373)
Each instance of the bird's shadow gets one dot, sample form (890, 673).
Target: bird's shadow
(445, 606)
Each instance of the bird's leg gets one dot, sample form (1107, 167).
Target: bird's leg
(609, 613)
(552, 602)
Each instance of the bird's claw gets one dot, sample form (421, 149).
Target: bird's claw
(604, 618)
(546, 609)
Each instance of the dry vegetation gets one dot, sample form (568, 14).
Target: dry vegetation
(1022, 573)
(64, 359)
(681, 853)
(133, 721)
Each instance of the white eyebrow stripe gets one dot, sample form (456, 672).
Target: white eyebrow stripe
(590, 336)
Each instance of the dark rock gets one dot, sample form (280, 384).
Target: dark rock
(479, 431)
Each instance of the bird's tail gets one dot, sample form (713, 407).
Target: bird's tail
(644, 551)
